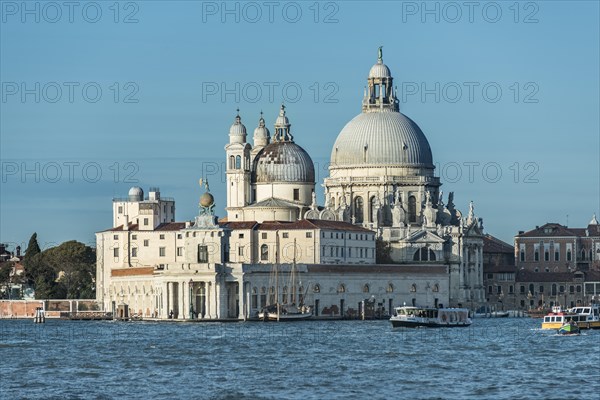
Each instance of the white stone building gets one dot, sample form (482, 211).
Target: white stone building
(381, 197)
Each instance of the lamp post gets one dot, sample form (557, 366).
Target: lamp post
(191, 283)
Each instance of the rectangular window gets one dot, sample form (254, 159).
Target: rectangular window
(536, 256)
(146, 242)
(490, 276)
(522, 289)
(120, 209)
(202, 254)
(240, 251)
(161, 251)
(331, 252)
(490, 290)
(308, 235)
(350, 252)
(241, 236)
(522, 255)
(145, 221)
(511, 289)
(179, 236)
(116, 237)
(116, 252)
(134, 252)
(499, 289)
(161, 236)
(546, 255)
(133, 237)
(297, 194)
(556, 255)
(180, 251)
(264, 235)
(541, 289)
(286, 235)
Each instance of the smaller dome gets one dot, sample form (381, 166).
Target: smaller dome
(282, 119)
(207, 200)
(238, 130)
(261, 131)
(380, 70)
(136, 194)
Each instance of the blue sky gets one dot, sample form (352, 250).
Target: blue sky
(89, 109)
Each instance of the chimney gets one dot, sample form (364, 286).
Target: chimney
(18, 251)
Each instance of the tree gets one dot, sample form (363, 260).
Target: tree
(74, 268)
(5, 269)
(33, 248)
(383, 252)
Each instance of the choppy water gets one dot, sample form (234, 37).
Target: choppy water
(495, 358)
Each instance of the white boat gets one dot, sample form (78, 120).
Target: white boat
(413, 317)
(586, 317)
(285, 312)
(499, 314)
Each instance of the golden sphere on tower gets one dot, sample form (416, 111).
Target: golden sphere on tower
(207, 200)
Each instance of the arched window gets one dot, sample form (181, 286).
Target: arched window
(238, 162)
(412, 209)
(317, 288)
(413, 288)
(341, 288)
(424, 254)
(285, 295)
(436, 288)
(264, 252)
(272, 295)
(531, 289)
(583, 254)
(554, 289)
(390, 288)
(366, 288)
(373, 209)
(231, 162)
(358, 209)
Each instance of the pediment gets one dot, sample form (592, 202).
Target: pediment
(423, 236)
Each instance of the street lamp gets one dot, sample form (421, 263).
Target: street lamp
(191, 283)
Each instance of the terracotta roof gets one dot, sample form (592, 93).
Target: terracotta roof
(555, 230)
(292, 225)
(170, 226)
(492, 244)
(132, 227)
(238, 224)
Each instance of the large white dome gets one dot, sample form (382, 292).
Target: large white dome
(381, 138)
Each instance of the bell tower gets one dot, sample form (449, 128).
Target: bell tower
(238, 165)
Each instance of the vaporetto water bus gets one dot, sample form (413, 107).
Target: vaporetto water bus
(586, 317)
(413, 317)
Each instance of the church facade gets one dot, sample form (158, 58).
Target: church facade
(383, 236)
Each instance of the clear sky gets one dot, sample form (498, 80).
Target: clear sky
(97, 98)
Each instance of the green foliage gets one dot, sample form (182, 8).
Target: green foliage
(5, 269)
(63, 272)
(33, 248)
(383, 252)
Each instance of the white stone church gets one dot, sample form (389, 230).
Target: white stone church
(383, 237)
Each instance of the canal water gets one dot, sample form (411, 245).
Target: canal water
(492, 359)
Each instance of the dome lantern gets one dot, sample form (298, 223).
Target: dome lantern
(380, 94)
(237, 132)
(262, 136)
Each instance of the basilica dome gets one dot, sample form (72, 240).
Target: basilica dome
(283, 160)
(381, 135)
(384, 138)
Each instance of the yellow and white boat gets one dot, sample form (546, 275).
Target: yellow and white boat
(586, 317)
